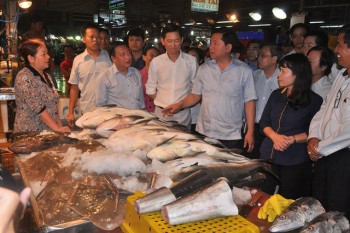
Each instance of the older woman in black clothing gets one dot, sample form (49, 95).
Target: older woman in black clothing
(285, 121)
(36, 95)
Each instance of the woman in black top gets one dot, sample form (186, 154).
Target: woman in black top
(285, 121)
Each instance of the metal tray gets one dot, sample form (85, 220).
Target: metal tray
(82, 224)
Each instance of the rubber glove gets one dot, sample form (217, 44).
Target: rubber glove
(273, 207)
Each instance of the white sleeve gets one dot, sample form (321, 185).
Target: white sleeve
(151, 84)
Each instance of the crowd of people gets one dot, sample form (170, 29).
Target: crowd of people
(291, 108)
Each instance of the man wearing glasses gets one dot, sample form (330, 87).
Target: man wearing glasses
(86, 67)
(329, 137)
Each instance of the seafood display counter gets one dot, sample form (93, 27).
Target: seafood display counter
(80, 181)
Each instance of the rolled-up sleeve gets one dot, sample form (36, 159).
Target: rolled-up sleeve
(249, 88)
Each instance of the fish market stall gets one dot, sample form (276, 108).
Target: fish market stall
(82, 180)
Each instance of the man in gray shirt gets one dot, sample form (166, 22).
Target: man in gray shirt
(120, 84)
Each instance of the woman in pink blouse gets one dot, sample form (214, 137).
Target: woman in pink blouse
(148, 54)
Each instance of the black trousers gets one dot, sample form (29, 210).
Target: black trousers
(295, 180)
(331, 181)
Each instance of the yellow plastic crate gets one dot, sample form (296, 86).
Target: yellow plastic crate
(153, 223)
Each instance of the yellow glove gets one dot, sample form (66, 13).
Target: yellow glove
(273, 207)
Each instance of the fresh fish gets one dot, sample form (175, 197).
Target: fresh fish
(212, 201)
(233, 172)
(95, 117)
(159, 181)
(110, 126)
(329, 222)
(297, 214)
(135, 129)
(89, 115)
(171, 167)
(42, 167)
(181, 148)
(53, 200)
(96, 120)
(27, 145)
(155, 200)
(98, 201)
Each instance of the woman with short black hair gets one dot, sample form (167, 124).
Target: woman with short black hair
(285, 121)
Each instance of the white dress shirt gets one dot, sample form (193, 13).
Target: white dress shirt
(332, 123)
(322, 86)
(171, 81)
(84, 73)
(264, 87)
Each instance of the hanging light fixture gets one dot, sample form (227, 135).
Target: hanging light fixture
(233, 18)
(24, 3)
(279, 13)
(255, 15)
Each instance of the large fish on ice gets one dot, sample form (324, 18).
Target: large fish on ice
(297, 215)
(110, 126)
(97, 116)
(97, 199)
(329, 222)
(155, 200)
(212, 201)
(186, 148)
(233, 172)
(27, 145)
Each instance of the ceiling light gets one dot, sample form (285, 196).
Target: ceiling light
(255, 15)
(331, 26)
(259, 25)
(24, 3)
(279, 13)
(227, 21)
(314, 22)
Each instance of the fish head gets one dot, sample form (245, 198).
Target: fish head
(288, 221)
(317, 227)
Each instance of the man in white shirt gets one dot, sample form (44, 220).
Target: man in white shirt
(226, 88)
(120, 84)
(86, 67)
(329, 137)
(321, 60)
(170, 76)
(265, 82)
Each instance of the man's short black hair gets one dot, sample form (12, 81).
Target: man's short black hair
(138, 32)
(346, 30)
(114, 45)
(228, 37)
(171, 28)
(86, 26)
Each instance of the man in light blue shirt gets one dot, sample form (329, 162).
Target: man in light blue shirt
(265, 81)
(227, 89)
(120, 84)
(86, 67)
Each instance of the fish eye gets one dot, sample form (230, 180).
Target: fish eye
(282, 217)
